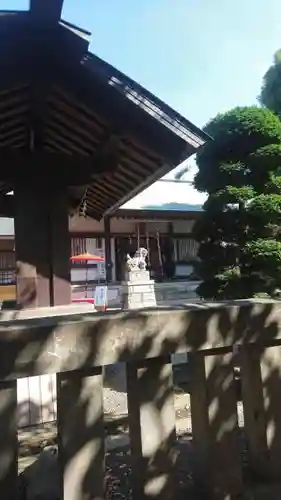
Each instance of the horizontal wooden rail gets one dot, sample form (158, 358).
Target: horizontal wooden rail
(77, 346)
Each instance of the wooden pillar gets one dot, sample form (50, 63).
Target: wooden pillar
(42, 246)
(253, 405)
(271, 386)
(60, 251)
(217, 467)
(107, 244)
(261, 391)
(8, 440)
(171, 241)
(81, 435)
(152, 428)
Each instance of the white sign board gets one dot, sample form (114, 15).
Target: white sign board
(100, 297)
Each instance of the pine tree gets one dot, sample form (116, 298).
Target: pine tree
(270, 95)
(239, 230)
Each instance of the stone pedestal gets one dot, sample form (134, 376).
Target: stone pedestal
(138, 290)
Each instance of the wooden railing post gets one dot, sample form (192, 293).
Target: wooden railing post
(217, 468)
(261, 390)
(253, 405)
(152, 428)
(271, 384)
(81, 434)
(8, 440)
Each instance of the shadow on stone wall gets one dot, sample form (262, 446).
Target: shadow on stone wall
(246, 325)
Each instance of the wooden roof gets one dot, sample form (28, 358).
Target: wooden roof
(64, 103)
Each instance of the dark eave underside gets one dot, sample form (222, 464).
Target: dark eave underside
(85, 102)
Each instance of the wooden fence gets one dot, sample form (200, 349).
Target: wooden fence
(77, 346)
(37, 395)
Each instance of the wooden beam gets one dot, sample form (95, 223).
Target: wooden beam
(60, 144)
(118, 110)
(42, 245)
(27, 48)
(13, 77)
(107, 153)
(149, 214)
(7, 206)
(102, 190)
(48, 48)
(56, 130)
(43, 10)
(38, 106)
(55, 168)
(60, 110)
(13, 35)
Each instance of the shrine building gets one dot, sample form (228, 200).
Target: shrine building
(78, 138)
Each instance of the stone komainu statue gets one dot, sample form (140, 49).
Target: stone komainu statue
(137, 262)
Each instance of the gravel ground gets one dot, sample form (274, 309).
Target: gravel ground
(118, 477)
(118, 484)
(118, 460)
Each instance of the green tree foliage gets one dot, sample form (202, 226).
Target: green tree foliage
(239, 231)
(271, 88)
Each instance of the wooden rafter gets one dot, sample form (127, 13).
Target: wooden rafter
(120, 112)
(64, 115)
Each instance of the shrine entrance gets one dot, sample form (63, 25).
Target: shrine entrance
(159, 251)
(73, 139)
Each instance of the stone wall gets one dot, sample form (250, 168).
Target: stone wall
(77, 346)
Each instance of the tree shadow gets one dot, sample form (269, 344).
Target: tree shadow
(144, 340)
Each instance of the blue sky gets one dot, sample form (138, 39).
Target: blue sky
(200, 56)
